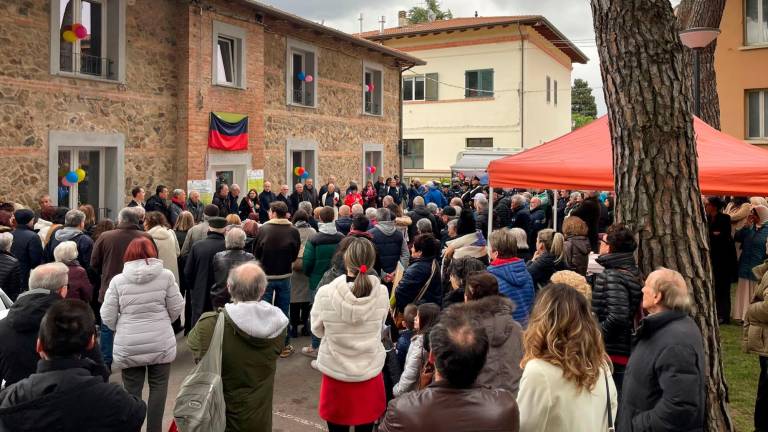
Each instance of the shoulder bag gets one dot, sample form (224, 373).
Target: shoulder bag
(609, 408)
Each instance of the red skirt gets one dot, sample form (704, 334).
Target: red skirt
(351, 404)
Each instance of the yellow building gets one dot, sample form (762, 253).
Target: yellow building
(741, 62)
(490, 83)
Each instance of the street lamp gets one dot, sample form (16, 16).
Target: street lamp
(696, 39)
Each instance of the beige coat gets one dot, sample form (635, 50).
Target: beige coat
(755, 337)
(738, 215)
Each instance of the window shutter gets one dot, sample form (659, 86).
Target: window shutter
(488, 83)
(431, 85)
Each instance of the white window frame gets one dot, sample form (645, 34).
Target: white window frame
(761, 12)
(237, 36)
(107, 35)
(371, 148)
(295, 45)
(762, 113)
(374, 67)
(413, 79)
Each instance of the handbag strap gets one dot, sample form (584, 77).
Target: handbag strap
(426, 285)
(609, 408)
(211, 362)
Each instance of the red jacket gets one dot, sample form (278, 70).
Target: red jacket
(79, 286)
(352, 199)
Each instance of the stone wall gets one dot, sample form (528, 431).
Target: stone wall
(337, 124)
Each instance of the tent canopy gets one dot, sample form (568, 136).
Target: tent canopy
(583, 160)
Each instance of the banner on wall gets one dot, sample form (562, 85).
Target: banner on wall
(203, 187)
(228, 132)
(256, 180)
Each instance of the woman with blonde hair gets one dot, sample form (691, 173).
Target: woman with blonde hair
(565, 384)
(548, 257)
(573, 280)
(234, 219)
(90, 218)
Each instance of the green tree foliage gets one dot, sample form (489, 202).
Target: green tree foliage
(579, 120)
(419, 14)
(582, 100)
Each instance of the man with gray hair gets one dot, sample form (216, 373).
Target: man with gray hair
(195, 206)
(19, 330)
(178, 205)
(664, 385)
(357, 210)
(370, 213)
(73, 230)
(223, 262)
(10, 270)
(520, 217)
(419, 212)
(481, 214)
(390, 244)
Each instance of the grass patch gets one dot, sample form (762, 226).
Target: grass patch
(741, 374)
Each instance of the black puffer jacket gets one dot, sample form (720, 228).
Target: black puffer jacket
(616, 298)
(502, 214)
(223, 262)
(10, 275)
(415, 278)
(576, 252)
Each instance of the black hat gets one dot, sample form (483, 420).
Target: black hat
(217, 222)
(24, 216)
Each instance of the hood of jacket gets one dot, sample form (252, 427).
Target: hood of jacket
(67, 233)
(387, 228)
(353, 309)
(257, 319)
(161, 233)
(580, 242)
(422, 212)
(513, 273)
(620, 260)
(28, 310)
(495, 312)
(142, 271)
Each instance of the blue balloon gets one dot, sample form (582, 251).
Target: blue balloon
(305, 175)
(72, 177)
(301, 76)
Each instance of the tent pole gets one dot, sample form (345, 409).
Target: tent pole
(554, 209)
(490, 218)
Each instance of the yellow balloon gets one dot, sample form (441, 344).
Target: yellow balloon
(80, 174)
(69, 36)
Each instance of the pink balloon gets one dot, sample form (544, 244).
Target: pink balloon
(308, 78)
(81, 32)
(65, 183)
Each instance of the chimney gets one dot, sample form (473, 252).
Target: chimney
(402, 19)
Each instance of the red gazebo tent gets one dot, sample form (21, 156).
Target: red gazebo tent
(583, 160)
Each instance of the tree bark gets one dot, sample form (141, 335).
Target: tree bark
(703, 13)
(654, 158)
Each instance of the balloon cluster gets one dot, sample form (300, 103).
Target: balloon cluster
(372, 169)
(304, 77)
(369, 88)
(73, 177)
(74, 32)
(301, 172)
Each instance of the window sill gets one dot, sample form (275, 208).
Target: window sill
(87, 77)
(229, 86)
(302, 106)
(372, 115)
(753, 47)
(479, 98)
(757, 141)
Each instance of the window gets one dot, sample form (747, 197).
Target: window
(479, 142)
(478, 83)
(372, 157)
(88, 38)
(413, 88)
(549, 84)
(413, 154)
(373, 93)
(756, 22)
(302, 64)
(757, 117)
(229, 55)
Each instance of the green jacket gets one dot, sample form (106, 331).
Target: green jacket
(248, 367)
(318, 254)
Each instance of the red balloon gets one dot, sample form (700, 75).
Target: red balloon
(301, 170)
(373, 169)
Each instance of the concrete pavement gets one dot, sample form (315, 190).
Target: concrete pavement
(297, 387)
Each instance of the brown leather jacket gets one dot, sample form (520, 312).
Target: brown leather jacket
(440, 407)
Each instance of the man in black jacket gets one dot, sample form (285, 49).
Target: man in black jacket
(199, 268)
(419, 212)
(138, 197)
(344, 222)
(26, 246)
(18, 331)
(589, 212)
(520, 216)
(221, 199)
(266, 197)
(664, 386)
(157, 202)
(68, 392)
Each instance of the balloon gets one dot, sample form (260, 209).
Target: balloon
(373, 169)
(80, 31)
(296, 171)
(300, 76)
(69, 36)
(80, 174)
(301, 170)
(371, 88)
(71, 177)
(308, 78)
(305, 175)
(65, 183)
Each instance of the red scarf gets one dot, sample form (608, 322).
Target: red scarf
(179, 203)
(502, 261)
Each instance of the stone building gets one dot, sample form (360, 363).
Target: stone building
(130, 101)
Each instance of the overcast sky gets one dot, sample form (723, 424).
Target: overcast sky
(572, 17)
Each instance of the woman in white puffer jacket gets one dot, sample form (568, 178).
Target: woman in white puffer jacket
(139, 306)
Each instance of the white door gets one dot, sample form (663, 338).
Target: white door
(90, 189)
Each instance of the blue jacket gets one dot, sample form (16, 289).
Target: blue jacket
(435, 196)
(516, 283)
(752, 249)
(414, 279)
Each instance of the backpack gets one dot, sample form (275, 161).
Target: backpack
(200, 403)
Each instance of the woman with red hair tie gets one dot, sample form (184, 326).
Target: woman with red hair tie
(139, 306)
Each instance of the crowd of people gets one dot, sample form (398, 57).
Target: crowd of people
(420, 318)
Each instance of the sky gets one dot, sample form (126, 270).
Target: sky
(572, 17)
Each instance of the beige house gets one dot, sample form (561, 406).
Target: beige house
(490, 83)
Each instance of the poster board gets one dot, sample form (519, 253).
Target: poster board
(203, 187)
(256, 180)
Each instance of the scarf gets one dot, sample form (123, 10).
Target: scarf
(180, 203)
(502, 261)
(328, 228)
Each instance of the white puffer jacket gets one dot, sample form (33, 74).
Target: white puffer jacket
(140, 305)
(351, 349)
(167, 248)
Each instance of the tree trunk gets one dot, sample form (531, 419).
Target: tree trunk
(703, 13)
(654, 158)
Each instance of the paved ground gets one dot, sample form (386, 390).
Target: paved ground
(297, 387)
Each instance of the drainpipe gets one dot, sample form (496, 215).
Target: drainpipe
(522, 87)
